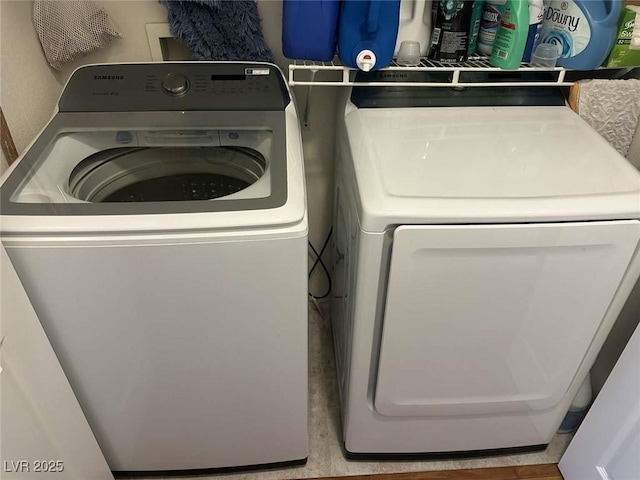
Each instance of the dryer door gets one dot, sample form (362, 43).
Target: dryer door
(497, 318)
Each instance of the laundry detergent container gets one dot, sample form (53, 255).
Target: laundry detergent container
(309, 29)
(583, 31)
(415, 24)
(367, 33)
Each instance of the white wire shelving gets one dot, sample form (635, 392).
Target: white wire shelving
(333, 73)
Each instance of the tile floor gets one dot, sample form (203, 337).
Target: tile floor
(325, 456)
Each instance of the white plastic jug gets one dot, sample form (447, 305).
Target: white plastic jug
(415, 24)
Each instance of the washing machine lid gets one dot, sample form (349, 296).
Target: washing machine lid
(485, 165)
(224, 146)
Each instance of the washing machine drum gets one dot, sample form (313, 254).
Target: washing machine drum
(161, 174)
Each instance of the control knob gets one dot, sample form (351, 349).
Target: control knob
(175, 84)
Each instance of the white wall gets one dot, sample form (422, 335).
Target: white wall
(634, 150)
(29, 89)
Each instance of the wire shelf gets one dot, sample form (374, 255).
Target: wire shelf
(458, 74)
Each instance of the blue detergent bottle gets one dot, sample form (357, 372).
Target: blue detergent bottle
(536, 15)
(583, 31)
(367, 33)
(309, 29)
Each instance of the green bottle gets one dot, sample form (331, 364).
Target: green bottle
(476, 17)
(511, 37)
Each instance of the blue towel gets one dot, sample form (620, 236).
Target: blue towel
(219, 29)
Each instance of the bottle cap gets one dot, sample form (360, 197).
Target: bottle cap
(366, 60)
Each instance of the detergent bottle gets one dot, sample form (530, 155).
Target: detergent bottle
(582, 30)
(367, 33)
(536, 15)
(309, 29)
(579, 407)
(476, 18)
(511, 38)
(489, 24)
(415, 24)
(451, 30)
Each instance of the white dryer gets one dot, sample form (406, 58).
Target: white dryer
(159, 227)
(485, 242)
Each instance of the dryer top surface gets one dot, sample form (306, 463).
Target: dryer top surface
(486, 165)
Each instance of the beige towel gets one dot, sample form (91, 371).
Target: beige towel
(611, 107)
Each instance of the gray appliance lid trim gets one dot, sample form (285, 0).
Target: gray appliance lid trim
(75, 122)
(208, 86)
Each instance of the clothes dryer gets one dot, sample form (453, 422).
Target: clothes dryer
(159, 227)
(485, 242)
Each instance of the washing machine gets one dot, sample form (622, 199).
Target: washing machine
(485, 241)
(158, 224)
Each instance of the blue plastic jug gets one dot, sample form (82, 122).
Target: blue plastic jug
(309, 29)
(536, 15)
(583, 31)
(367, 33)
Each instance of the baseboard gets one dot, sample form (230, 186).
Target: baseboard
(211, 471)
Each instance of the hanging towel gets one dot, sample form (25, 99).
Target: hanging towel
(611, 107)
(219, 29)
(68, 30)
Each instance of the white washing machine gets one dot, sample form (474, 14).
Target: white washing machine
(158, 224)
(485, 242)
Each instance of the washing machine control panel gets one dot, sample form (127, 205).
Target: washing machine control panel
(229, 86)
(175, 84)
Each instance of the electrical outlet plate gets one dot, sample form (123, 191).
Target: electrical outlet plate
(164, 46)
